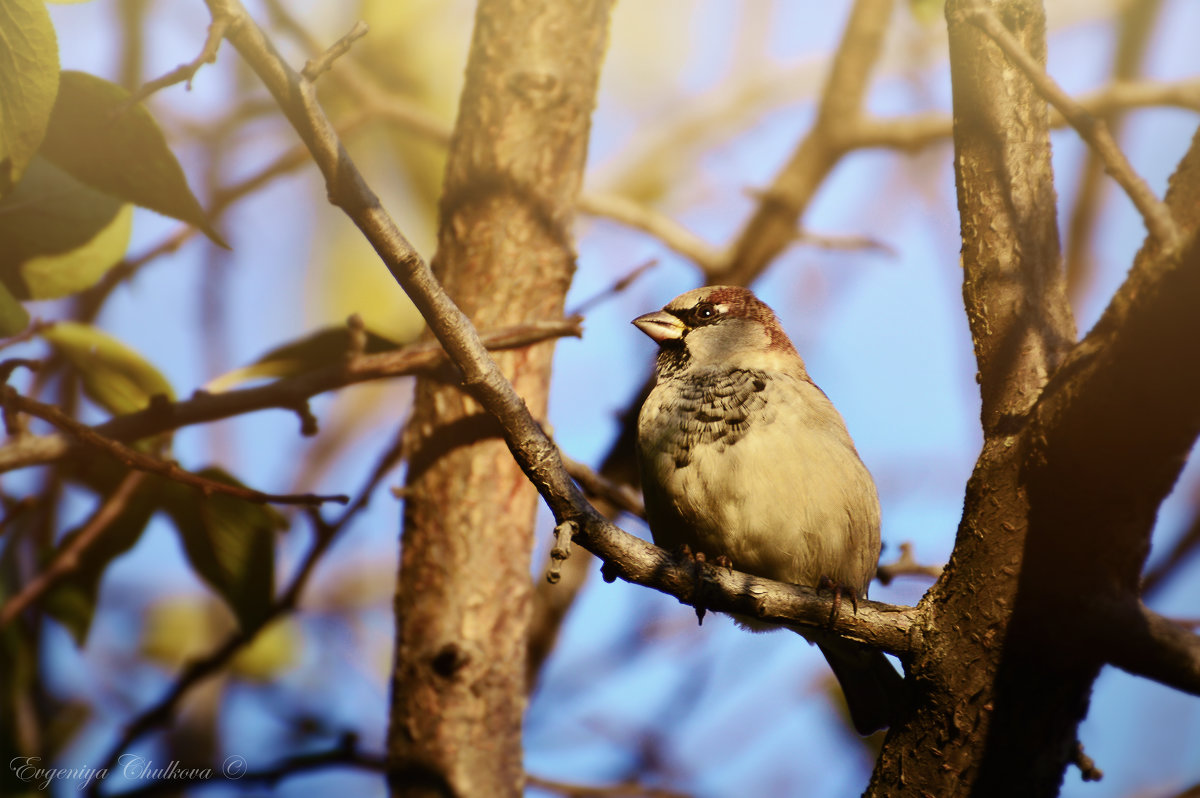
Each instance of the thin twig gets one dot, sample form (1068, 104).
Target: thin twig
(664, 228)
(161, 712)
(620, 496)
(906, 565)
(70, 557)
(315, 67)
(183, 72)
(289, 393)
(141, 461)
(1154, 212)
(878, 625)
(222, 199)
(616, 288)
(36, 326)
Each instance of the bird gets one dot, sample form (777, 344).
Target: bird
(744, 459)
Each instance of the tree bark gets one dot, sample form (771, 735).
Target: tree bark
(504, 256)
(1081, 444)
(977, 703)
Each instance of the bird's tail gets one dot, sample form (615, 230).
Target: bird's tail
(875, 692)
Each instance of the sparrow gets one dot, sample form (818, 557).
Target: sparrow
(744, 459)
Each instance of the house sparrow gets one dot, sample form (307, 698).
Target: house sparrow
(744, 458)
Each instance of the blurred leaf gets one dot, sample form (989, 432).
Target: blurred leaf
(13, 316)
(230, 543)
(178, 629)
(346, 278)
(60, 236)
(114, 376)
(28, 84)
(927, 12)
(322, 348)
(72, 601)
(274, 650)
(119, 152)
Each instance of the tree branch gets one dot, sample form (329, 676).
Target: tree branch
(141, 461)
(1094, 131)
(183, 72)
(161, 712)
(1138, 640)
(288, 393)
(773, 226)
(69, 557)
(880, 625)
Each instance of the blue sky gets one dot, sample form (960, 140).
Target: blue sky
(883, 334)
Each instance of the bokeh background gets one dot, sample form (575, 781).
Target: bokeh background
(701, 102)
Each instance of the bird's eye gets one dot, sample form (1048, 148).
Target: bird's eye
(705, 311)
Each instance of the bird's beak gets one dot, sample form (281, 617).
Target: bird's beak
(660, 326)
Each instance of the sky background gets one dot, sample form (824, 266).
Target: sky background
(718, 711)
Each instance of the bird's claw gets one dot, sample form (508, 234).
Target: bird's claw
(697, 560)
(825, 583)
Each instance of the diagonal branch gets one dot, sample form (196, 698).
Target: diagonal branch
(631, 558)
(183, 72)
(1094, 131)
(289, 393)
(773, 226)
(141, 461)
(69, 558)
(161, 712)
(1140, 641)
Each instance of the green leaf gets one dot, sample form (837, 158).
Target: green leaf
(322, 348)
(28, 84)
(273, 651)
(928, 12)
(59, 235)
(230, 543)
(72, 600)
(120, 151)
(13, 316)
(114, 376)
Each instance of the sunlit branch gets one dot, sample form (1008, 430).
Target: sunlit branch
(132, 458)
(289, 393)
(184, 72)
(316, 67)
(879, 625)
(1155, 213)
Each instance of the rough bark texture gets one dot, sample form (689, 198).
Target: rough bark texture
(977, 701)
(504, 256)
(1081, 445)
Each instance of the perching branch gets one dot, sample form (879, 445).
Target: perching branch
(631, 558)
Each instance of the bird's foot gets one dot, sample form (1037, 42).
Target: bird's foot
(836, 588)
(697, 560)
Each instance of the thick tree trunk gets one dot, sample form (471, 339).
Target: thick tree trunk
(1081, 444)
(504, 255)
(981, 704)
